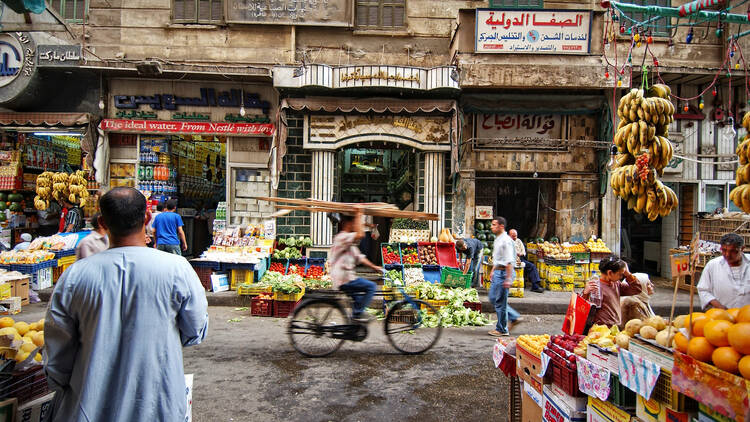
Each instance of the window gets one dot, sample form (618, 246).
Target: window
(657, 26)
(518, 4)
(714, 197)
(73, 11)
(381, 14)
(197, 11)
(730, 204)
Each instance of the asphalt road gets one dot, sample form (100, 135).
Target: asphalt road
(248, 371)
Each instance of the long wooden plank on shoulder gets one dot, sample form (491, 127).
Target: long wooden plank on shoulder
(348, 207)
(369, 211)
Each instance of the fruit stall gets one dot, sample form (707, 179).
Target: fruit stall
(696, 367)
(566, 266)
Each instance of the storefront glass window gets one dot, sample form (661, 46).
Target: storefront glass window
(714, 197)
(730, 204)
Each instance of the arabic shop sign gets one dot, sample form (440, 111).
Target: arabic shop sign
(58, 55)
(13, 60)
(289, 12)
(387, 76)
(518, 126)
(209, 97)
(186, 128)
(535, 32)
(424, 132)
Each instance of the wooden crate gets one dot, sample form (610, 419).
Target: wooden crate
(712, 229)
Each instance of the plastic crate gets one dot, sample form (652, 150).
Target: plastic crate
(515, 292)
(299, 264)
(261, 307)
(200, 263)
(619, 394)
(246, 289)
(204, 275)
(32, 268)
(446, 253)
(431, 273)
(514, 409)
(284, 297)
(397, 267)
(422, 245)
(23, 385)
(397, 250)
(665, 394)
(406, 316)
(474, 306)
(566, 378)
(65, 253)
(451, 277)
(283, 308)
(240, 276)
(581, 256)
(436, 305)
(403, 247)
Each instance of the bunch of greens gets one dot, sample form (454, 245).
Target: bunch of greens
(288, 284)
(288, 253)
(312, 284)
(409, 224)
(270, 277)
(431, 291)
(455, 316)
(301, 241)
(393, 277)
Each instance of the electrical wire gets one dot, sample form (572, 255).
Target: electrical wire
(704, 162)
(544, 201)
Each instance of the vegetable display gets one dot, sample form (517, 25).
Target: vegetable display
(393, 277)
(277, 267)
(390, 255)
(288, 253)
(413, 275)
(409, 255)
(296, 269)
(301, 241)
(409, 224)
(427, 255)
(315, 271)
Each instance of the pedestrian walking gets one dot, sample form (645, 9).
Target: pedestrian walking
(117, 322)
(503, 260)
(95, 242)
(168, 230)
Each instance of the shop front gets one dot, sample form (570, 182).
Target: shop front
(366, 148)
(534, 162)
(206, 145)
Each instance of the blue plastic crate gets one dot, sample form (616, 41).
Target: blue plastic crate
(32, 268)
(397, 267)
(197, 263)
(431, 273)
(321, 262)
(64, 253)
(300, 262)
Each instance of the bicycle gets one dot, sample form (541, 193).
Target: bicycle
(319, 324)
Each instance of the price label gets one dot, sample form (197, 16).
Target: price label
(680, 264)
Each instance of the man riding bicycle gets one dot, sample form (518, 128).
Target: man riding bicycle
(343, 259)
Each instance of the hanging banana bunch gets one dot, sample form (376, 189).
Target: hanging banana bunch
(59, 186)
(642, 139)
(740, 195)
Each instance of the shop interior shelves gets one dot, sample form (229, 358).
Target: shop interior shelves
(431, 273)
(446, 254)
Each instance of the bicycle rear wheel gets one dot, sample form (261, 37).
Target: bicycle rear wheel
(311, 328)
(405, 329)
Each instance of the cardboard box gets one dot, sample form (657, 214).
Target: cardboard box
(12, 305)
(38, 410)
(603, 358)
(8, 409)
(602, 411)
(219, 282)
(531, 404)
(555, 409)
(575, 403)
(652, 353)
(529, 367)
(653, 411)
(20, 288)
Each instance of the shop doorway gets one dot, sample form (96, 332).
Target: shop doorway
(640, 241)
(523, 203)
(383, 174)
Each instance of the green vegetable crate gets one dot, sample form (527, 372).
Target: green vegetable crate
(291, 297)
(455, 278)
(247, 289)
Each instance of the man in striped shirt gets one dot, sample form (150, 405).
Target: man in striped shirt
(73, 218)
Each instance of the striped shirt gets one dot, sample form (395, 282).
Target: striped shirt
(74, 217)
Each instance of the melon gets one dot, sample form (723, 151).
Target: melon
(480, 226)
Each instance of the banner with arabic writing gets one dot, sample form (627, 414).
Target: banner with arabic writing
(519, 126)
(535, 32)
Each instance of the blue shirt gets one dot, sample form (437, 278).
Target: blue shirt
(474, 249)
(114, 332)
(165, 226)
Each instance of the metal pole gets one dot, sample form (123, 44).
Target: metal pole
(674, 12)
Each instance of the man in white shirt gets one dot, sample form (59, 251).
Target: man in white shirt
(725, 282)
(503, 260)
(95, 242)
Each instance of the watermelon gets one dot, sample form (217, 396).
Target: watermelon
(480, 226)
(3, 196)
(3, 207)
(15, 206)
(485, 245)
(2, 216)
(15, 197)
(481, 236)
(491, 236)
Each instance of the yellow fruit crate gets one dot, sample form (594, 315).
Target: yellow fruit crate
(288, 297)
(556, 287)
(436, 304)
(5, 291)
(66, 260)
(247, 289)
(516, 292)
(240, 276)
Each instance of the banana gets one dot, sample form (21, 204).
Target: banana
(746, 198)
(746, 120)
(633, 116)
(631, 202)
(640, 204)
(650, 201)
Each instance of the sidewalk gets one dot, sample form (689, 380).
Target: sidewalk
(551, 303)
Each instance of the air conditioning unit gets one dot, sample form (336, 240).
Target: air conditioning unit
(149, 68)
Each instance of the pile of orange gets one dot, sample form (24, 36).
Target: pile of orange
(721, 337)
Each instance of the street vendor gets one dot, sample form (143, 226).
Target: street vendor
(473, 250)
(343, 259)
(605, 291)
(725, 282)
(529, 268)
(637, 306)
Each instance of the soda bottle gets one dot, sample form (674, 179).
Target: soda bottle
(140, 172)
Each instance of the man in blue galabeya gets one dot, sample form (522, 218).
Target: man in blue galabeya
(117, 322)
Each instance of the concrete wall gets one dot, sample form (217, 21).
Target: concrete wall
(296, 181)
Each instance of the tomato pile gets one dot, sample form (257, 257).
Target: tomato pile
(277, 267)
(410, 256)
(315, 271)
(296, 269)
(390, 256)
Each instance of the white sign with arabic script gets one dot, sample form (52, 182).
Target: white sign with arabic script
(517, 126)
(536, 32)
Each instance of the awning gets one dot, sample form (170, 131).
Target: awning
(187, 128)
(532, 103)
(44, 119)
(360, 105)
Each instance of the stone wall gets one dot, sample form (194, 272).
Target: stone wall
(577, 204)
(296, 181)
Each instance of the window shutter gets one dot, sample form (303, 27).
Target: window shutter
(398, 16)
(204, 10)
(372, 16)
(69, 12)
(57, 5)
(387, 16)
(80, 13)
(217, 11)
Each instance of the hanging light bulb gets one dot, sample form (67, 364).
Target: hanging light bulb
(619, 81)
(242, 110)
(737, 65)
(713, 92)
(656, 62)
(637, 37)
(612, 163)
(731, 53)
(731, 126)
(606, 74)
(535, 175)
(649, 40)
(638, 44)
(700, 104)
(622, 29)
(689, 37)
(686, 108)
(242, 104)
(101, 103)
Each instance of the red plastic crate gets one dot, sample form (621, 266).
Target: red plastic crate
(446, 254)
(474, 306)
(261, 307)
(566, 378)
(283, 308)
(204, 274)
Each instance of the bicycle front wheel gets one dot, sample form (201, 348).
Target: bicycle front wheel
(312, 328)
(405, 328)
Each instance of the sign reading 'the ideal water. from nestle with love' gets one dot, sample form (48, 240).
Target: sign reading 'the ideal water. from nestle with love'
(535, 32)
